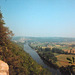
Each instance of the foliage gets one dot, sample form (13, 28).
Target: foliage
(20, 63)
(46, 53)
(71, 60)
(66, 70)
(56, 50)
(5, 33)
(49, 56)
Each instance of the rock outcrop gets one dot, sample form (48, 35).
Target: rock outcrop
(4, 68)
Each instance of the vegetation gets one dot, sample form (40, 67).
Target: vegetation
(64, 59)
(20, 63)
(56, 50)
(71, 60)
(59, 54)
(46, 53)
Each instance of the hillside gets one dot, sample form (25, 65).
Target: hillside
(20, 63)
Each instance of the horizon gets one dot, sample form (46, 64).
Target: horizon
(42, 37)
(40, 18)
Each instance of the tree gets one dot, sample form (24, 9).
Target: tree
(71, 60)
(70, 51)
(5, 33)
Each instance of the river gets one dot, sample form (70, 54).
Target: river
(37, 58)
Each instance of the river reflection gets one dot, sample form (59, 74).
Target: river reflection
(37, 58)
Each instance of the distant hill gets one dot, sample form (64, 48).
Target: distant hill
(46, 39)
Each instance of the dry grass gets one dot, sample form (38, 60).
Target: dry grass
(62, 61)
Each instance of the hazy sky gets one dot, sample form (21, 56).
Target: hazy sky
(46, 18)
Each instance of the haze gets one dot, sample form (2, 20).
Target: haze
(40, 18)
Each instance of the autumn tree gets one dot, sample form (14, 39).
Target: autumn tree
(5, 33)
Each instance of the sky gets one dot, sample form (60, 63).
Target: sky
(40, 18)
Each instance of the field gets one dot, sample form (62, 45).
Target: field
(62, 60)
(65, 46)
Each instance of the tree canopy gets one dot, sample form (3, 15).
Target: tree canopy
(5, 33)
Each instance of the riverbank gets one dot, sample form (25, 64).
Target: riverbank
(49, 63)
(68, 70)
(45, 64)
(64, 70)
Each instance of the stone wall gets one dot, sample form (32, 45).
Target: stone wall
(4, 68)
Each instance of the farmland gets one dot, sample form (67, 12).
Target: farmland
(67, 47)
